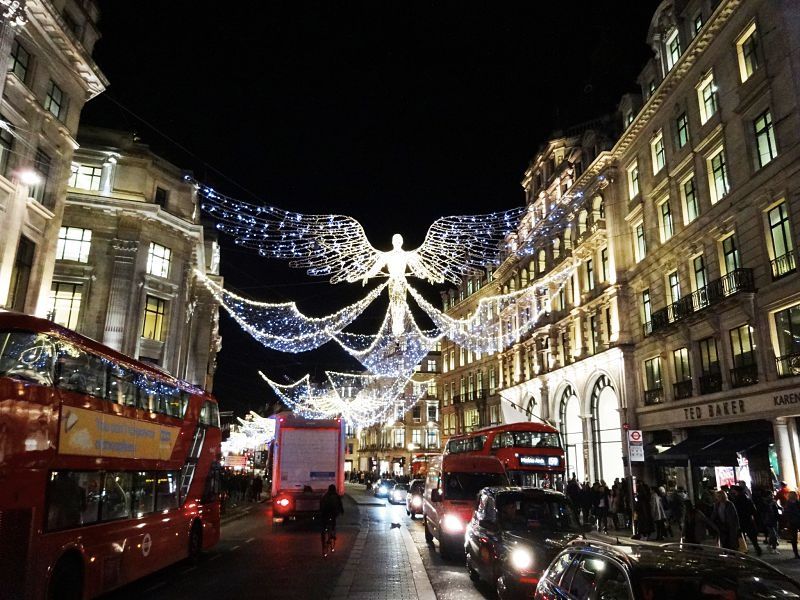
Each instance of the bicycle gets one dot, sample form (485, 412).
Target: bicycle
(328, 537)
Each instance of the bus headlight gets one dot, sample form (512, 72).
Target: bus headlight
(452, 523)
(416, 502)
(521, 559)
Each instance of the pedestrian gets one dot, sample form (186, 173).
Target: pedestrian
(746, 510)
(616, 503)
(782, 495)
(726, 520)
(659, 515)
(792, 514)
(574, 490)
(643, 515)
(258, 486)
(769, 516)
(695, 526)
(586, 502)
(603, 502)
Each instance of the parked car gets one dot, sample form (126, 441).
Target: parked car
(514, 534)
(398, 493)
(451, 494)
(414, 497)
(663, 572)
(383, 487)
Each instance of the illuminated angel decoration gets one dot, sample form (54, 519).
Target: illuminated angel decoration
(337, 246)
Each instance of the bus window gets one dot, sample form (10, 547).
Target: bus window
(73, 498)
(81, 372)
(147, 398)
(209, 414)
(144, 494)
(508, 439)
(536, 439)
(171, 398)
(185, 396)
(27, 356)
(167, 490)
(122, 386)
(496, 441)
(116, 496)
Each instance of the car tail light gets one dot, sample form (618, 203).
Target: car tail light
(282, 503)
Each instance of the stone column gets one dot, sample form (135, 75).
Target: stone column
(119, 296)
(783, 446)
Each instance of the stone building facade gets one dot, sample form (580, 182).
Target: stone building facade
(130, 257)
(50, 76)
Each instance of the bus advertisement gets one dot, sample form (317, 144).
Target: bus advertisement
(109, 467)
(531, 452)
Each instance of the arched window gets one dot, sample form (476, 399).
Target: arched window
(556, 248)
(582, 218)
(572, 433)
(607, 431)
(523, 278)
(512, 284)
(567, 238)
(598, 207)
(541, 260)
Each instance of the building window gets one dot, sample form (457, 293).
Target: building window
(541, 261)
(594, 333)
(747, 52)
(399, 437)
(74, 244)
(682, 129)
(707, 98)
(154, 311)
(21, 274)
(766, 149)
(492, 380)
(700, 273)
(646, 308)
(433, 413)
(85, 177)
(673, 48)
(604, 264)
(697, 24)
(652, 374)
(666, 221)
(158, 259)
(38, 191)
(680, 358)
(782, 246)
(462, 388)
(54, 102)
(589, 274)
(709, 362)
(628, 118)
(640, 242)
(787, 329)
(431, 365)
(651, 87)
(19, 61)
(718, 175)
(730, 254)
(742, 346)
(633, 180)
(689, 196)
(657, 152)
(674, 284)
(6, 146)
(452, 359)
(65, 303)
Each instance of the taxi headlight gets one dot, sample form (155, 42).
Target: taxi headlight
(416, 502)
(452, 523)
(521, 559)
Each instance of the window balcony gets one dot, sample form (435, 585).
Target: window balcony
(682, 389)
(788, 365)
(783, 266)
(744, 376)
(710, 383)
(654, 396)
(739, 280)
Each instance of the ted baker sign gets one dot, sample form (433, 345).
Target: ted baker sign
(724, 408)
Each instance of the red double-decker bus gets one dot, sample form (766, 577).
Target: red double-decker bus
(108, 466)
(531, 452)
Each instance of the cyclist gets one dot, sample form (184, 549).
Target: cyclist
(330, 507)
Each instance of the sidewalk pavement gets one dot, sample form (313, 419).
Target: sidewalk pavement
(361, 497)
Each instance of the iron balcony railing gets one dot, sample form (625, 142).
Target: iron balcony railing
(788, 364)
(783, 265)
(710, 383)
(738, 280)
(654, 396)
(744, 375)
(682, 389)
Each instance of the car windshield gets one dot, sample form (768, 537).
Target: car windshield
(667, 586)
(465, 486)
(523, 512)
(387, 483)
(401, 487)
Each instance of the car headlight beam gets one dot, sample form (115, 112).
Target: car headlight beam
(521, 559)
(452, 523)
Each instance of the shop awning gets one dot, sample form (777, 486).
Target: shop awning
(711, 450)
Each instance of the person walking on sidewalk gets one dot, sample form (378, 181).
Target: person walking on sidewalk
(643, 519)
(792, 516)
(726, 520)
(769, 516)
(747, 515)
(659, 515)
(695, 525)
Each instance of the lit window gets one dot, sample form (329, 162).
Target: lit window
(766, 149)
(85, 177)
(673, 48)
(730, 255)
(6, 147)
(689, 198)
(65, 303)
(639, 241)
(153, 326)
(604, 263)
(707, 97)
(54, 101)
(682, 130)
(652, 371)
(646, 309)
(666, 221)
(651, 87)
(633, 180)
(700, 273)
(718, 176)
(39, 191)
(697, 24)
(19, 61)
(158, 259)
(680, 358)
(74, 244)
(747, 52)
(628, 118)
(674, 286)
(590, 274)
(782, 247)
(657, 152)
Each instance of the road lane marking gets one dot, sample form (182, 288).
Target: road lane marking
(155, 587)
(189, 570)
(249, 540)
(235, 548)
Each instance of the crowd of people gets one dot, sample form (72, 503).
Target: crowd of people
(368, 478)
(238, 487)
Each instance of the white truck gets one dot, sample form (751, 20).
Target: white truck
(307, 457)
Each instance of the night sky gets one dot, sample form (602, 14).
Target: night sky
(395, 113)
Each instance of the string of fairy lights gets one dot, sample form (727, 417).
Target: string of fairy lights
(336, 246)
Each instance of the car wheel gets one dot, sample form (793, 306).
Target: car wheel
(66, 581)
(500, 588)
(473, 574)
(428, 535)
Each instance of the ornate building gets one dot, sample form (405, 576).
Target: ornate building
(128, 255)
(50, 76)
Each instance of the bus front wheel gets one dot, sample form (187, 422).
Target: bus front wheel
(66, 581)
(195, 541)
